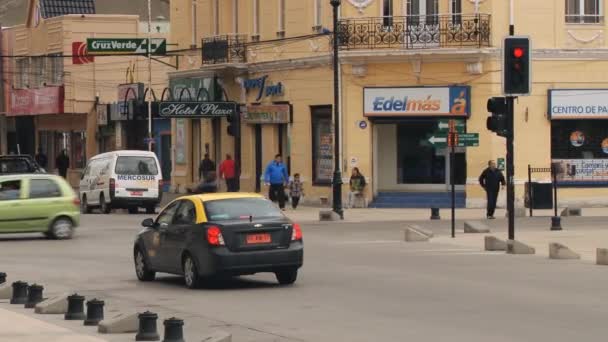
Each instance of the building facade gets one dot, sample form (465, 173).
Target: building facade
(58, 98)
(406, 67)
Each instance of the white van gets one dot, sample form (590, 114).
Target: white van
(121, 180)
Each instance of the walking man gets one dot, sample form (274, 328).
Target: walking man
(63, 163)
(491, 179)
(228, 173)
(41, 158)
(206, 166)
(276, 176)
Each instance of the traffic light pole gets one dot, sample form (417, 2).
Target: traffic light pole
(510, 167)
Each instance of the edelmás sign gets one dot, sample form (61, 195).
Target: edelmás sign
(424, 101)
(197, 109)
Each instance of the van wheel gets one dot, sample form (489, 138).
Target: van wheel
(103, 206)
(84, 205)
(151, 209)
(61, 229)
(133, 210)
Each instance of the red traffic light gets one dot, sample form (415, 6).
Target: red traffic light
(518, 52)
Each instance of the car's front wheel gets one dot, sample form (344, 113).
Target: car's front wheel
(191, 277)
(287, 277)
(103, 205)
(61, 229)
(142, 270)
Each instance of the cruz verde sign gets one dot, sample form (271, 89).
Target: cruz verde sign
(106, 46)
(197, 109)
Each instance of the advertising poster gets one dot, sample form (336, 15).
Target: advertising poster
(582, 170)
(180, 141)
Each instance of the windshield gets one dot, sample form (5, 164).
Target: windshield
(133, 165)
(14, 166)
(241, 209)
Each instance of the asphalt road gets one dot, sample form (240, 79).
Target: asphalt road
(359, 283)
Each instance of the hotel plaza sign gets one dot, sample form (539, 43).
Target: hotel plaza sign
(197, 109)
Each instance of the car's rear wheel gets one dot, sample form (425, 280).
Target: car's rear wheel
(142, 270)
(133, 210)
(84, 205)
(191, 277)
(61, 229)
(151, 209)
(103, 205)
(287, 276)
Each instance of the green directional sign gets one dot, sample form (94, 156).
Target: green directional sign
(120, 46)
(444, 126)
(464, 140)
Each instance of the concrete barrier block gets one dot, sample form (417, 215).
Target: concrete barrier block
(572, 211)
(328, 215)
(57, 305)
(493, 244)
(602, 256)
(415, 233)
(516, 247)
(559, 251)
(218, 336)
(120, 324)
(519, 212)
(475, 227)
(6, 291)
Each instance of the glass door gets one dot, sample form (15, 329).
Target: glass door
(422, 23)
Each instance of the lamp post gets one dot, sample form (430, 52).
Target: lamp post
(337, 182)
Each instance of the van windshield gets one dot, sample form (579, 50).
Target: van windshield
(133, 165)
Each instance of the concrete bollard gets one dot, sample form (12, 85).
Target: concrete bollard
(75, 308)
(34, 296)
(493, 244)
(435, 214)
(516, 247)
(556, 223)
(56, 305)
(414, 233)
(174, 330)
(559, 251)
(19, 293)
(120, 324)
(602, 256)
(94, 312)
(147, 327)
(2, 278)
(475, 227)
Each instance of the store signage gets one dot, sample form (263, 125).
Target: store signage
(463, 140)
(125, 46)
(425, 101)
(578, 104)
(580, 171)
(271, 114)
(46, 100)
(197, 109)
(265, 89)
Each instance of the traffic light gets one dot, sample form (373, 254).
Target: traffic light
(233, 124)
(497, 122)
(516, 66)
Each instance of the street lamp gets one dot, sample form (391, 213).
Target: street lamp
(337, 182)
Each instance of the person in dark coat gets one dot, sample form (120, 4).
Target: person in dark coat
(207, 165)
(41, 159)
(62, 162)
(491, 179)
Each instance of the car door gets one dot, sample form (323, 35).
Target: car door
(175, 239)
(12, 214)
(44, 200)
(156, 252)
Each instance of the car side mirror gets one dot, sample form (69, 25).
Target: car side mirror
(148, 223)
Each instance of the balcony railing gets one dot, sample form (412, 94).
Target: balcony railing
(225, 49)
(415, 32)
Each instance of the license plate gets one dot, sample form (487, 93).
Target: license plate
(137, 193)
(253, 239)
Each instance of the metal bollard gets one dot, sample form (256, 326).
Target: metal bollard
(34, 296)
(147, 327)
(174, 330)
(435, 214)
(94, 312)
(75, 308)
(556, 223)
(2, 278)
(19, 293)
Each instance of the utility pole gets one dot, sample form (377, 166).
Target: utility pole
(510, 145)
(337, 182)
(150, 76)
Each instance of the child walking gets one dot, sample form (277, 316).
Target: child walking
(295, 190)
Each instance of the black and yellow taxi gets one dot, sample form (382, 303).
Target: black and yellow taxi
(219, 234)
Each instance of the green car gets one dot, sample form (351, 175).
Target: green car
(38, 203)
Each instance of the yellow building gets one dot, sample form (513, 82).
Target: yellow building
(57, 99)
(406, 66)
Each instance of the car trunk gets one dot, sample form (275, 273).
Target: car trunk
(244, 235)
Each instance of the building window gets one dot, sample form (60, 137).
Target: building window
(456, 10)
(387, 13)
(583, 12)
(425, 9)
(318, 13)
(37, 77)
(22, 71)
(256, 20)
(216, 17)
(235, 16)
(322, 145)
(54, 70)
(282, 10)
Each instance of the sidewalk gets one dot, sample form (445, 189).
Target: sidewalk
(16, 327)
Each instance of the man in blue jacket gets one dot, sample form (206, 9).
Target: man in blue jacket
(276, 176)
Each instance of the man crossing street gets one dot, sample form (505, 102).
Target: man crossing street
(491, 179)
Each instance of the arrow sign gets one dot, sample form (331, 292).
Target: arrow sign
(441, 140)
(464, 140)
(444, 126)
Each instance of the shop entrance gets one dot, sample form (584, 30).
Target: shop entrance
(269, 140)
(407, 161)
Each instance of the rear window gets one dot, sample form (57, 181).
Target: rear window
(140, 166)
(241, 209)
(14, 166)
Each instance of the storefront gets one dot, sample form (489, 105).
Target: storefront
(409, 136)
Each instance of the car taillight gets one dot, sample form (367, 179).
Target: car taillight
(76, 201)
(296, 235)
(112, 186)
(214, 236)
(160, 185)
